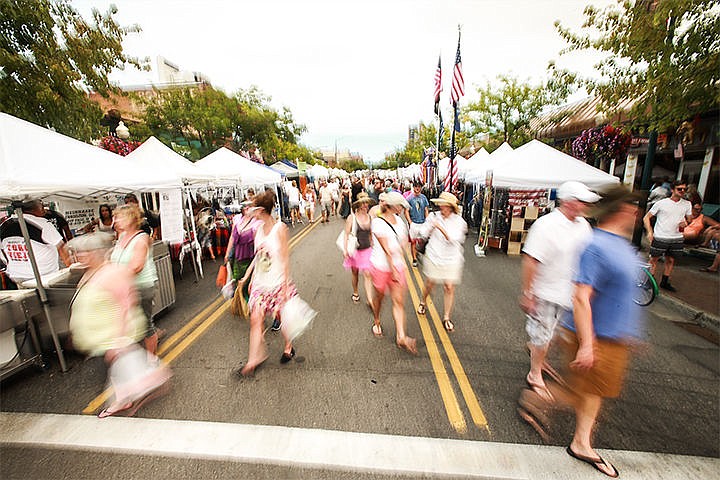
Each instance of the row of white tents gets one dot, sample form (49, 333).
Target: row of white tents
(533, 165)
(35, 161)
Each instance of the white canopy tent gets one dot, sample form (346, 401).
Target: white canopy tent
(285, 170)
(37, 162)
(156, 155)
(482, 163)
(228, 167)
(318, 171)
(473, 162)
(537, 165)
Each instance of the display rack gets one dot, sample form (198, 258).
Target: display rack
(522, 219)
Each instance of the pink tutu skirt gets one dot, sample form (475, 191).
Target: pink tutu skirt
(361, 260)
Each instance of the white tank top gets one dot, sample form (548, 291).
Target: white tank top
(269, 268)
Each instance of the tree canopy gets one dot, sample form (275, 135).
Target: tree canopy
(207, 119)
(51, 57)
(665, 55)
(503, 111)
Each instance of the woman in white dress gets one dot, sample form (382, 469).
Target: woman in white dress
(444, 255)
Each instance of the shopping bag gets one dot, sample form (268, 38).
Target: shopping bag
(222, 277)
(351, 244)
(239, 306)
(228, 290)
(296, 317)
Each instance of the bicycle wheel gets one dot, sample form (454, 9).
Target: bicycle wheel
(647, 288)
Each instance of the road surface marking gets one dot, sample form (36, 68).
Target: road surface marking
(452, 407)
(332, 450)
(468, 393)
(205, 324)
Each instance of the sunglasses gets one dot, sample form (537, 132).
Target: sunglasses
(680, 189)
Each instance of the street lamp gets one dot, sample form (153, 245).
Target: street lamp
(122, 131)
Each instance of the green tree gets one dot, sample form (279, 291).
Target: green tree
(663, 55)
(51, 56)
(206, 119)
(503, 111)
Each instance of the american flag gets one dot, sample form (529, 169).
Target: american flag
(438, 86)
(458, 82)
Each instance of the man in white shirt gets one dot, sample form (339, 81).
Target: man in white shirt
(294, 202)
(673, 214)
(46, 241)
(325, 200)
(552, 251)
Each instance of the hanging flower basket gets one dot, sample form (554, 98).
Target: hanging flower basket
(599, 146)
(118, 145)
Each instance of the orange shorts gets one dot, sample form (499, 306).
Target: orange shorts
(382, 280)
(607, 374)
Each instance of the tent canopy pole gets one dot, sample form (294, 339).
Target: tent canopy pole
(17, 205)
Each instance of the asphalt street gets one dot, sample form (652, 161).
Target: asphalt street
(462, 386)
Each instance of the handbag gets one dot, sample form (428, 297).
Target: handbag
(297, 316)
(352, 242)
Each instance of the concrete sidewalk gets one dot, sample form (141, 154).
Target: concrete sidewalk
(327, 450)
(698, 293)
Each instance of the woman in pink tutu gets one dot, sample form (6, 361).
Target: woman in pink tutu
(358, 224)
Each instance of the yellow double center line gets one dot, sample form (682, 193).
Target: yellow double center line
(176, 344)
(452, 406)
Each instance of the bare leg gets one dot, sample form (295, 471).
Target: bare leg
(368, 287)
(537, 360)
(402, 339)
(355, 280)
(429, 285)
(669, 265)
(413, 250)
(449, 299)
(653, 264)
(586, 412)
(256, 351)
(377, 303)
(151, 343)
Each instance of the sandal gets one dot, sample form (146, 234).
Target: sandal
(355, 298)
(421, 309)
(448, 324)
(377, 330)
(596, 463)
(110, 411)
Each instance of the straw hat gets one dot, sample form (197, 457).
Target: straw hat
(447, 198)
(394, 198)
(362, 198)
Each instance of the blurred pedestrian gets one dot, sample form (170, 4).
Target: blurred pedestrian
(47, 244)
(549, 264)
(133, 251)
(309, 200)
(387, 267)
(673, 214)
(604, 325)
(151, 221)
(270, 282)
(105, 319)
(444, 254)
(326, 201)
(416, 215)
(293, 194)
(345, 194)
(241, 247)
(358, 225)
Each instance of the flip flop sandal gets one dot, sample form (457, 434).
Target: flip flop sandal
(377, 330)
(119, 412)
(594, 462)
(421, 309)
(449, 326)
(355, 298)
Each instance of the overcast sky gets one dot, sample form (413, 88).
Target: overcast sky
(355, 72)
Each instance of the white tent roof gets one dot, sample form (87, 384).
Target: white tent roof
(35, 161)
(478, 168)
(284, 169)
(536, 164)
(444, 164)
(158, 156)
(226, 165)
(318, 171)
(474, 161)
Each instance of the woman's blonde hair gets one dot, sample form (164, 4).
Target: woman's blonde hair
(131, 211)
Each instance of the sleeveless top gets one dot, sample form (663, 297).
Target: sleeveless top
(147, 277)
(269, 269)
(105, 228)
(362, 235)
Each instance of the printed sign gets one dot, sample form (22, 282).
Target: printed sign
(630, 168)
(171, 215)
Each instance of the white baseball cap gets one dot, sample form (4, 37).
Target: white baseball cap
(577, 191)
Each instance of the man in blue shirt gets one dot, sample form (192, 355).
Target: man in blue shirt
(605, 322)
(416, 215)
